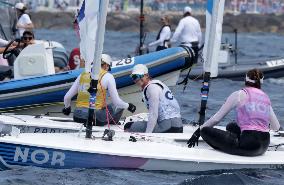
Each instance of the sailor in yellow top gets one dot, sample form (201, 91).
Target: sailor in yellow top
(83, 94)
(106, 84)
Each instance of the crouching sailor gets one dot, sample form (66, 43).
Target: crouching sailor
(106, 83)
(250, 135)
(164, 111)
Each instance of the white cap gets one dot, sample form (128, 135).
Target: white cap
(20, 6)
(140, 69)
(106, 59)
(187, 9)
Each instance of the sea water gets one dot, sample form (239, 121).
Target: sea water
(119, 45)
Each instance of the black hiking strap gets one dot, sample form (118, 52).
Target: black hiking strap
(160, 85)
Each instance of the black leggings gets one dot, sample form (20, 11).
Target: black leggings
(233, 141)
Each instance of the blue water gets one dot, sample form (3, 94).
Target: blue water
(118, 45)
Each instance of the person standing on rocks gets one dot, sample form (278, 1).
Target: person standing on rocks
(188, 32)
(164, 35)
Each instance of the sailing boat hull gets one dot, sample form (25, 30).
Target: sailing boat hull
(73, 152)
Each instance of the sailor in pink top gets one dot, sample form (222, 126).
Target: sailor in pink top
(254, 112)
(236, 100)
(255, 117)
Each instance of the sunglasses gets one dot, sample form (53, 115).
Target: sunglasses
(136, 77)
(27, 38)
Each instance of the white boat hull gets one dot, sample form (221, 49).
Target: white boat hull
(45, 150)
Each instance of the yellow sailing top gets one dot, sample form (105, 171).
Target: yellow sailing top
(83, 94)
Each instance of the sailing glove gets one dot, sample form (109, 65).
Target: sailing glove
(131, 108)
(66, 111)
(194, 139)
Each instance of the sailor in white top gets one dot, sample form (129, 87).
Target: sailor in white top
(188, 32)
(164, 35)
(24, 22)
(164, 111)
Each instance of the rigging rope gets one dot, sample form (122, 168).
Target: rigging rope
(191, 53)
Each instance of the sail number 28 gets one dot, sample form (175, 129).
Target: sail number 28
(123, 62)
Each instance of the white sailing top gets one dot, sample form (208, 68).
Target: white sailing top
(161, 104)
(108, 82)
(232, 102)
(23, 20)
(187, 31)
(164, 35)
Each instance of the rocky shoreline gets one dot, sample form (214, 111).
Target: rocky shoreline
(130, 22)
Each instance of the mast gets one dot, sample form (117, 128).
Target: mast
(92, 21)
(214, 21)
(97, 65)
(142, 19)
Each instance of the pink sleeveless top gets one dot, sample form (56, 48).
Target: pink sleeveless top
(254, 112)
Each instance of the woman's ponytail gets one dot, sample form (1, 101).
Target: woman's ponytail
(254, 78)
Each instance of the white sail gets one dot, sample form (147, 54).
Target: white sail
(92, 20)
(213, 34)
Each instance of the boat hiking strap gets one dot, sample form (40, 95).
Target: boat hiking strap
(204, 97)
(160, 85)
